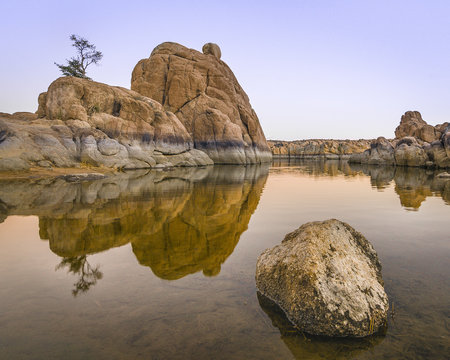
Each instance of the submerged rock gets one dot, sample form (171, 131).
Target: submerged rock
(327, 279)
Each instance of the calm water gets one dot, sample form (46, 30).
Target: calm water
(161, 265)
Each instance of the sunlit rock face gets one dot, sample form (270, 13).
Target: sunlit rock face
(178, 222)
(86, 122)
(202, 91)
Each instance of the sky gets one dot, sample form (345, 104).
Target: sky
(341, 69)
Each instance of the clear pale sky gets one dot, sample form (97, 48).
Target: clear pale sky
(312, 68)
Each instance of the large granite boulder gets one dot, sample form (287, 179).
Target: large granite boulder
(327, 279)
(412, 124)
(86, 122)
(202, 91)
(408, 152)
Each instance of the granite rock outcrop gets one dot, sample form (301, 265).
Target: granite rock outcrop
(417, 144)
(330, 149)
(189, 110)
(327, 279)
(203, 93)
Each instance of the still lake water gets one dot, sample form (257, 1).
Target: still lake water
(161, 265)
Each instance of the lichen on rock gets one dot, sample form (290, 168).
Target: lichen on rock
(327, 279)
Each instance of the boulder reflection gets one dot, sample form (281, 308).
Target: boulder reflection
(413, 185)
(178, 222)
(304, 346)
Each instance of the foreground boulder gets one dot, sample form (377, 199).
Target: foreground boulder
(412, 124)
(327, 279)
(202, 91)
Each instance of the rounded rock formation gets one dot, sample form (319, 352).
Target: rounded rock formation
(206, 97)
(213, 49)
(327, 278)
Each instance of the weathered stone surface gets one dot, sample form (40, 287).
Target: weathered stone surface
(85, 122)
(412, 124)
(410, 155)
(204, 94)
(327, 278)
(213, 49)
(381, 152)
(317, 147)
(417, 144)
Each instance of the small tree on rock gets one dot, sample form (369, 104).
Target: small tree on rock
(87, 54)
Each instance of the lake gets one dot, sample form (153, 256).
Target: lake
(161, 264)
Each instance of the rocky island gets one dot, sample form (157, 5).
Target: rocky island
(185, 108)
(416, 144)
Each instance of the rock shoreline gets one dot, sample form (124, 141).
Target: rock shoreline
(184, 108)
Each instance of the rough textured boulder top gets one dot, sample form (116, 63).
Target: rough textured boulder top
(86, 122)
(412, 124)
(202, 91)
(327, 279)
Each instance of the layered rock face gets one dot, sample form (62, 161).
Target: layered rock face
(330, 149)
(82, 121)
(204, 94)
(189, 111)
(327, 279)
(416, 144)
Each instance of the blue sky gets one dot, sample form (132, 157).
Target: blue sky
(312, 69)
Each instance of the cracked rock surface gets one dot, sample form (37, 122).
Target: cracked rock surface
(202, 91)
(326, 277)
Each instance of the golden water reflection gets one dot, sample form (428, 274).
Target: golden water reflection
(412, 185)
(178, 222)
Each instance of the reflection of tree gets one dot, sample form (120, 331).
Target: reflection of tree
(88, 275)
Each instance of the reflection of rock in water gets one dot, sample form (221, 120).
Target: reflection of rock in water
(205, 232)
(179, 222)
(413, 185)
(304, 346)
(316, 167)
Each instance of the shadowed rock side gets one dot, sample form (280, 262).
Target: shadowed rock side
(417, 144)
(305, 346)
(202, 91)
(327, 279)
(82, 121)
(174, 224)
(330, 149)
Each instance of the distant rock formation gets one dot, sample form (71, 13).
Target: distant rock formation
(327, 279)
(412, 124)
(330, 149)
(202, 91)
(189, 110)
(416, 144)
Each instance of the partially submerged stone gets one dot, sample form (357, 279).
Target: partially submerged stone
(327, 279)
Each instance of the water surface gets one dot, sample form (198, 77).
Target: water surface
(161, 265)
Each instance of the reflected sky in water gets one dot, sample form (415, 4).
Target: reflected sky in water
(161, 264)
